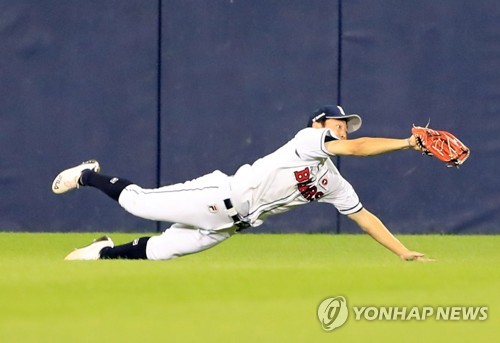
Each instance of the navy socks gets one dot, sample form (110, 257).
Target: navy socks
(112, 186)
(135, 250)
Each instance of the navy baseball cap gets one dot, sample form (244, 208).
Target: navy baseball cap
(335, 112)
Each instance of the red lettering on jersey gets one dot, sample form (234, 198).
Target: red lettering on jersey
(309, 195)
(303, 175)
(308, 191)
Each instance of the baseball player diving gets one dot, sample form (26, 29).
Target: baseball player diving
(210, 209)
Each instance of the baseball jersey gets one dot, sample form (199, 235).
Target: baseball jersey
(297, 173)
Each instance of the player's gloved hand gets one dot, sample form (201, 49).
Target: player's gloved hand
(441, 144)
(415, 256)
(412, 142)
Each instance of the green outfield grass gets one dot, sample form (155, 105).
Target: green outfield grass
(251, 288)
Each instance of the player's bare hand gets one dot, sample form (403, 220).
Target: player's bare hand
(415, 256)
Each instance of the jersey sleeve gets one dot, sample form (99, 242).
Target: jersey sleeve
(310, 143)
(344, 198)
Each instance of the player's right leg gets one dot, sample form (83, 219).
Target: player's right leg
(180, 240)
(175, 242)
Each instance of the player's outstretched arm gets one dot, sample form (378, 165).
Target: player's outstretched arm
(369, 146)
(378, 231)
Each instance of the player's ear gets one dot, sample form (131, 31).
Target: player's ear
(318, 125)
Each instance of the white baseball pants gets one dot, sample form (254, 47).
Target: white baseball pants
(195, 207)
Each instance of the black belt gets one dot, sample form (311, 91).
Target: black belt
(237, 219)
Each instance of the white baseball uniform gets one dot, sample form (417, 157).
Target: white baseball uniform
(297, 173)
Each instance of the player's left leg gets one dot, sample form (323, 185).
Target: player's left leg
(196, 203)
(87, 174)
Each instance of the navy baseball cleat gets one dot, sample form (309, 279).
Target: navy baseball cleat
(67, 180)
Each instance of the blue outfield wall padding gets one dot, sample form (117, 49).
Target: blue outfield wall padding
(239, 79)
(406, 62)
(166, 97)
(78, 82)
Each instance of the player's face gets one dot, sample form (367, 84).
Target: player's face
(338, 127)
